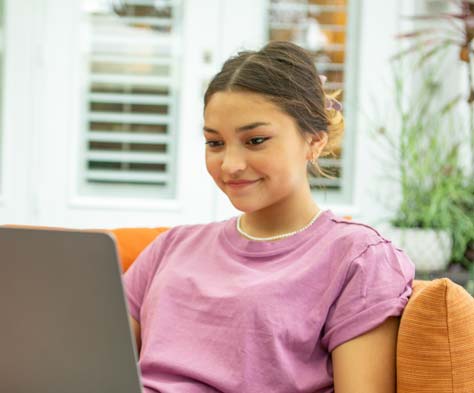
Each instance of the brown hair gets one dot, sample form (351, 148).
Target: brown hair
(286, 74)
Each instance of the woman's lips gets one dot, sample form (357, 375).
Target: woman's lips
(238, 184)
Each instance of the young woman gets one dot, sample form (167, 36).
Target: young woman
(286, 297)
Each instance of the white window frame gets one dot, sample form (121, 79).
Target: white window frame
(111, 191)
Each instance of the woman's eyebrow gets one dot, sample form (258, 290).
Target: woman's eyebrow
(207, 129)
(246, 127)
(251, 126)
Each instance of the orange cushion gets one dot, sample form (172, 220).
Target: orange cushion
(132, 241)
(436, 340)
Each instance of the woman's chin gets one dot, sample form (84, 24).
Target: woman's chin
(244, 207)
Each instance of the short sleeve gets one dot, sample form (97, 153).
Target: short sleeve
(138, 277)
(377, 286)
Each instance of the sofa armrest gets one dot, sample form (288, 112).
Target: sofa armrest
(435, 351)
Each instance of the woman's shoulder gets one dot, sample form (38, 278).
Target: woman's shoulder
(353, 237)
(359, 247)
(355, 229)
(182, 237)
(179, 233)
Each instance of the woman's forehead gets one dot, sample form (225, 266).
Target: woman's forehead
(238, 106)
(239, 98)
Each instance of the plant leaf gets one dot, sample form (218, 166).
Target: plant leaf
(416, 33)
(433, 51)
(450, 104)
(404, 52)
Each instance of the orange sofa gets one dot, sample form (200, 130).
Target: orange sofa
(435, 350)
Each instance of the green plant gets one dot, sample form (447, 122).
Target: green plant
(437, 33)
(424, 143)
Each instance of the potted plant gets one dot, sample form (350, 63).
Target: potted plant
(423, 142)
(438, 33)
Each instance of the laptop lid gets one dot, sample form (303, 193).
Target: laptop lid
(64, 320)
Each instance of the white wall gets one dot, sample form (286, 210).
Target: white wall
(379, 25)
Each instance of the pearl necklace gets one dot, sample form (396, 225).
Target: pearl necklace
(276, 237)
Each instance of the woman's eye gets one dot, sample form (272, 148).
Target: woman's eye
(257, 140)
(214, 143)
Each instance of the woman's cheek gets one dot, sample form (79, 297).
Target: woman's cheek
(213, 167)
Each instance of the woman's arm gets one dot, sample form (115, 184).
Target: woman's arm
(367, 364)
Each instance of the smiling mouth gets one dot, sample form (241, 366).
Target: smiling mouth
(241, 184)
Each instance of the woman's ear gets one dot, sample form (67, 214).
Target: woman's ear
(317, 142)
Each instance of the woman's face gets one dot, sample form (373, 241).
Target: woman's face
(254, 151)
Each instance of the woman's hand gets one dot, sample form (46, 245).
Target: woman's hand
(136, 333)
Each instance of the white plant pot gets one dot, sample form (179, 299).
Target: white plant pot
(429, 249)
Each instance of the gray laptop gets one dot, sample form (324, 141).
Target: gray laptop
(64, 324)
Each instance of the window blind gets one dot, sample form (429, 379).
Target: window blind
(320, 27)
(132, 93)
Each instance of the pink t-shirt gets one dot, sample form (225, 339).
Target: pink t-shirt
(221, 313)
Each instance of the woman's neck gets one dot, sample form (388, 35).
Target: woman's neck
(283, 217)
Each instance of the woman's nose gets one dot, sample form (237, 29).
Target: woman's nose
(233, 162)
